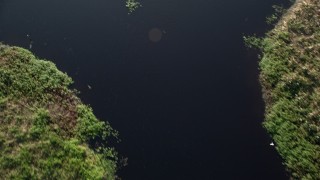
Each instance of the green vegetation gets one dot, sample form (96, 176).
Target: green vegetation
(132, 5)
(45, 130)
(278, 12)
(290, 77)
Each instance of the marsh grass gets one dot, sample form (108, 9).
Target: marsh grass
(290, 77)
(45, 130)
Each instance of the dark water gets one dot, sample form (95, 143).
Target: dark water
(188, 106)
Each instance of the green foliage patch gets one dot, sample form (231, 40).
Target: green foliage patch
(290, 78)
(45, 130)
(132, 5)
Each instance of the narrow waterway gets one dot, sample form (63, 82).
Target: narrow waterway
(174, 78)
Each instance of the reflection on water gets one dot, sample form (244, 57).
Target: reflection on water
(155, 35)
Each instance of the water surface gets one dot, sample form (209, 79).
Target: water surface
(187, 104)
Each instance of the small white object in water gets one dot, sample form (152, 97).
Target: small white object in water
(271, 144)
(30, 41)
(89, 86)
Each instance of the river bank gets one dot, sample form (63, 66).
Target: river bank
(45, 130)
(290, 79)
